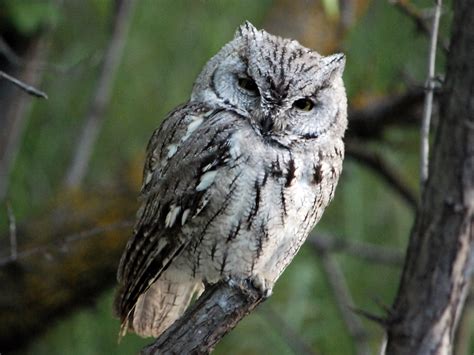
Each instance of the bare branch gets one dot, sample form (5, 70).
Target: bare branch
(101, 97)
(9, 53)
(421, 24)
(12, 229)
(14, 107)
(18, 62)
(83, 263)
(428, 107)
(213, 315)
(25, 87)
(366, 251)
(343, 298)
(63, 243)
(370, 121)
(378, 165)
(381, 321)
(292, 338)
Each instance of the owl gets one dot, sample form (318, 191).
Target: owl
(234, 179)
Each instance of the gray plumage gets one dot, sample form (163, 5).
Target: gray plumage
(236, 178)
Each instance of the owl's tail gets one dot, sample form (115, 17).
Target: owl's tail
(160, 306)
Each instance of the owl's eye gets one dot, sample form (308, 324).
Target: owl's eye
(248, 85)
(303, 104)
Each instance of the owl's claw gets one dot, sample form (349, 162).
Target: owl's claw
(264, 286)
(256, 282)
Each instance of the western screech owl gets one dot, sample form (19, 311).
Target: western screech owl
(236, 178)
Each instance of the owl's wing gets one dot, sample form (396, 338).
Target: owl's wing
(183, 157)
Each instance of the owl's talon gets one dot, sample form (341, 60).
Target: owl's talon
(262, 285)
(259, 283)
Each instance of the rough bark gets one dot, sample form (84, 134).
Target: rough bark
(213, 315)
(440, 258)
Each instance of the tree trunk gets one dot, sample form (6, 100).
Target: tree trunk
(440, 258)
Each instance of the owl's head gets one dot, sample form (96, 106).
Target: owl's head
(286, 91)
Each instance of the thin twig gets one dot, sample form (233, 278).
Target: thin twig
(395, 109)
(95, 116)
(362, 250)
(380, 166)
(10, 54)
(428, 107)
(287, 333)
(15, 106)
(65, 241)
(15, 60)
(381, 321)
(342, 296)
(12, 229)
(409, 10)
(25, 87)
(369, 252)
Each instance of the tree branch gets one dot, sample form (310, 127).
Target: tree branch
(409, 10)
(378, 165)
(100, 100)
(224, 304)
(371, 121)
(12, 233)
(440, 257)
(287, 333)
(343, 298)
(65, 260)
(428, 106)
(366, 251)
(63, 243)
(213, 315)
(23, 86)
(14, 107)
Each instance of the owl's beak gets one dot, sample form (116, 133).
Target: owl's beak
(266, 123)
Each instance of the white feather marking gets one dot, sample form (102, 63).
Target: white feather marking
(207, 167)
(192, 127)
(185, 215)
(148, 177)
(171, 216)
(206, 180)
(161, 244)
(203, 203)
(172, 149)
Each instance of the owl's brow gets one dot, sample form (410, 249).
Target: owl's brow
(244, 59)
(278, 91)
(282, 59)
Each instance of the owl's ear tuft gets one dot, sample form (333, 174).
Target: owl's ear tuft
(334, 64)
(246, 30)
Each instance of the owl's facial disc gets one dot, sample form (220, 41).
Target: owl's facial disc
(282, 88)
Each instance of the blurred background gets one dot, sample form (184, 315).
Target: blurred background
(70, 166)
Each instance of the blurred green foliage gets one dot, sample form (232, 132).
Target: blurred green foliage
(29, 16)
(168, 44)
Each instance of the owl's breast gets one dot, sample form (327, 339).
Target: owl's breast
(261, 207)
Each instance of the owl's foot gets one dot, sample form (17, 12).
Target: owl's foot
(263, 286)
